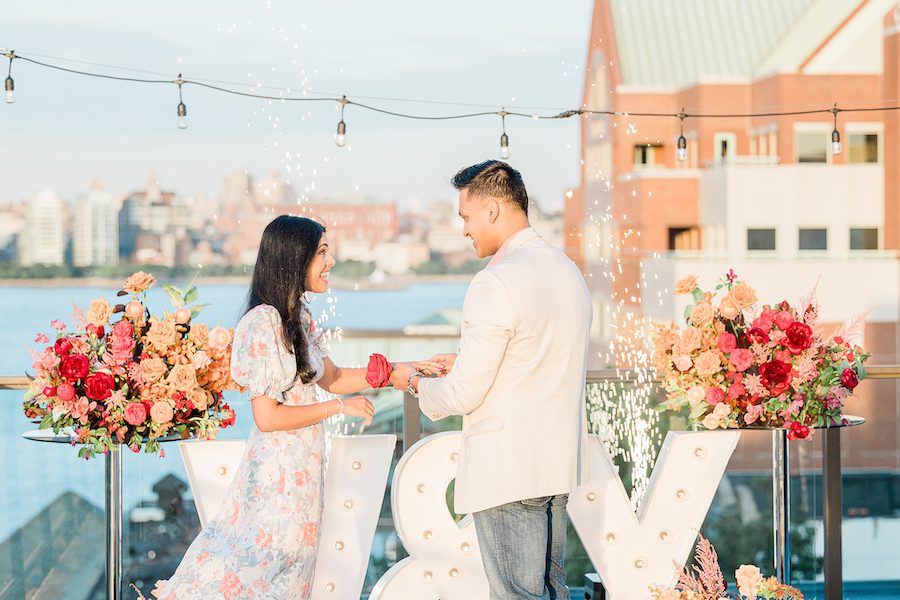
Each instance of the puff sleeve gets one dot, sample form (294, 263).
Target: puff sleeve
(260, 360)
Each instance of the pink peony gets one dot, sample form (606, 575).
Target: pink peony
(65, 392)
(736, 390)
(135, 413)
(714, 395)
(727, 342)
(741, 358)
(784, 319)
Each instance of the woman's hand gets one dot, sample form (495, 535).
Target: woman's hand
(359, 406)
(446, 361)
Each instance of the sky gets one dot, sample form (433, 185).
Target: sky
(65, 130)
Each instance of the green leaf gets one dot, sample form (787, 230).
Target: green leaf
(46, 422)
(196, 309)
(191, 295)
(697, 293)
(176, 297)
(687, 311)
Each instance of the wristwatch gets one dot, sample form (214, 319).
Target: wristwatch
(410, 388)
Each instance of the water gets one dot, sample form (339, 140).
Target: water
(35, 473)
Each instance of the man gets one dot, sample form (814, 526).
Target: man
(518, 382)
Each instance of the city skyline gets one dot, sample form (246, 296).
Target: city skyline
(68, 130)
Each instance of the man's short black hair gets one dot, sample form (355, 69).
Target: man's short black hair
(495, 179)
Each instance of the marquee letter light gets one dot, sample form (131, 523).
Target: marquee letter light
(210, 468)
(444, 561)
(358, 468)
(632, 552)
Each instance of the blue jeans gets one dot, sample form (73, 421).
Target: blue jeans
(523, 547)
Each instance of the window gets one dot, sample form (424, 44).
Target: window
(863, 147)
(813, 239)
(684, 238)
(812, 147)
(864, 238)
(725, 144)
(645, 155)
(760, 239)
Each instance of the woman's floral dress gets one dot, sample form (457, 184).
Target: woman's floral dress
(263, 541)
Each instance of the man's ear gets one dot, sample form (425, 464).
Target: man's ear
(493, 211)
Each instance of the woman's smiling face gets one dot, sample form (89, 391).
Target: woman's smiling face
(319, 267)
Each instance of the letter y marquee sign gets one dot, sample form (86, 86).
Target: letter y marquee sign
(631, 552)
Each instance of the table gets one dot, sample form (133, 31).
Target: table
(113, 505)
(832, 513)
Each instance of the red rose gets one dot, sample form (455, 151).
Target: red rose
(727, 342)
(135, 413)
(62, 346)
(776, 376)
(757, 335)
(48, 391)
(798, 337)
(378, 373)
(74, 367)
(849, 378)
(99, 386)
(96, 330)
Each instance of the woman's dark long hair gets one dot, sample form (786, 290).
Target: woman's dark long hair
(287, 247)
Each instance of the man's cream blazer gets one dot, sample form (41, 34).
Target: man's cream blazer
(519, 378)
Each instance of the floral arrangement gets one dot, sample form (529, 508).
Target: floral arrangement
(736, 364)
(134, 380)
(705, 581)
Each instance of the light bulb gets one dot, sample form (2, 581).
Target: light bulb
(10, 91)
(504, 146)
(182, 116)
(341, 137)
(836, 146)
(682, 154)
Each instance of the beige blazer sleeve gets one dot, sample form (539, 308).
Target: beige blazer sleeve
(488, 323)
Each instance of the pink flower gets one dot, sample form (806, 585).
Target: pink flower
(123, 328)
(135, 413)
(41, 338)
(741, 358)
(727, 342)
(57, 325)
(753, 413)
(219, 338)
(765, 320)
(711, 421)
(784, 319)
(736, 390)
(201, 360)
(714, 395)
(682, 362)
(722, 410)
(65, 392)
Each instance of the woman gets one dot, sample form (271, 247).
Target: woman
(263, 541)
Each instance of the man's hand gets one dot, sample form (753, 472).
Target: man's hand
(401, 374)
(445, 360)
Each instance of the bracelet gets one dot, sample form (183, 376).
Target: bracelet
(341, 409)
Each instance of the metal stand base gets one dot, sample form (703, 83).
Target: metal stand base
(114, 524)
(781, 505)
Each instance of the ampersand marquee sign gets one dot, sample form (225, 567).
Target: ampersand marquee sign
(631, 552)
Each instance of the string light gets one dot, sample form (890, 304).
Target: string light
(182, 109)
(681, 153)
(504, 139)
(10, 86)
(836, 146)
(340, 137)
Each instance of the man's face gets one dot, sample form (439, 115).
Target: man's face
(476, 215)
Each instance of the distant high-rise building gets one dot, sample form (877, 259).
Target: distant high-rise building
(43, 241)
(95, 228)
(151, 225)
(273, 191)
(238, 188)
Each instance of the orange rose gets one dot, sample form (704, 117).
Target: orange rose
(707, 363)
(162, 334)
(688, 341)
(219, 338)
(702, 314)
(138, 282)
(199, 334)
(199, 397)
(742, 296)
(100, 312)
(161, 412)
(152, 369)
(728, 309)
(686, 285)
(182, 377)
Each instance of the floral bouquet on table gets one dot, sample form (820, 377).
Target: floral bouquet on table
(736, 364)
(705, 581)
(134, 380)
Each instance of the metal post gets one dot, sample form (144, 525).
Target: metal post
(781, 505)
(412, 425)
(833, 511)
(114, 523)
